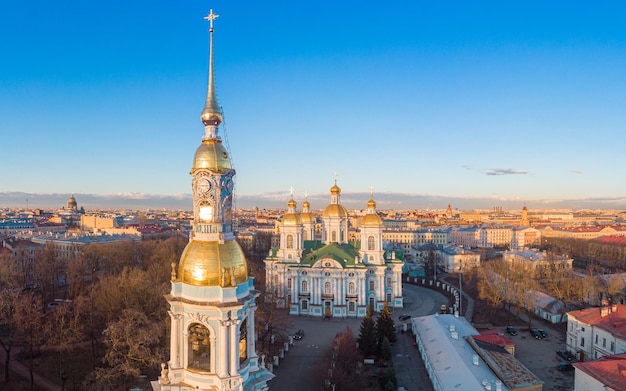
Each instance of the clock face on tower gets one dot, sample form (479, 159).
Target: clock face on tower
(203, 186)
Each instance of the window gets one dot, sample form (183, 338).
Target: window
(371, 284)
(289, 241)
(305, 287)
(582, 341)
(388, 297)
(371, 243)
(305, 305)
(351, 307)
(351, 289)
(334, 236)
(289, 283)
(612, 346)
(327, 287)
(596, 339)
(604, 342)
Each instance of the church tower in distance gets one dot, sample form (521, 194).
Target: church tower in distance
(212, 298)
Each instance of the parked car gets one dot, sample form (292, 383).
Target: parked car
(535, 333)
(565, 366)
(511, 330)
(564, 354)
(404, 317)
(299, 334)
(543, 333)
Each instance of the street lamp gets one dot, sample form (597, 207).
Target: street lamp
(461, 289)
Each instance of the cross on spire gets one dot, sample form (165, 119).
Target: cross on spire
(211, 17)
(371, 191)
(335, 175)
(291, 189)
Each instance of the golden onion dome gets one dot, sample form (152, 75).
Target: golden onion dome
(291, 219)
(306, 204)
(371, 204)
(371, 219)
(335, 190)
(209, 263)
(292, 204)
(335, 210)
(211, 155)
(307, 217)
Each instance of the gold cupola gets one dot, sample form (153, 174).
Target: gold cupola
(291, 217)
(306, 215)
(335, 209)
(371, 219)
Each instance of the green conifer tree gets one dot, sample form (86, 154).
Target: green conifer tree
(368, 340)
(385, 326)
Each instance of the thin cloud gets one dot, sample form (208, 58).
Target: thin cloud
(576, 171)
(505, 171)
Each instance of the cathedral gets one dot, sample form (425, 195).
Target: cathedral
(212, 297)
(332, 277)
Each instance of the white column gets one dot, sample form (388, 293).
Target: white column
(361, 290)
(223, 348)
(234, 347)
(213, 353)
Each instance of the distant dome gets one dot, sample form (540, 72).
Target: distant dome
(212, 155)
(205, 263)
(71, 203)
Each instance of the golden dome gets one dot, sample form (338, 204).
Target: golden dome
(212, 155)
(71, 201)
(306, 204)
(291, 219)
(307, 217)
(292, 204)
(335, 190)
(209, 263)
(371, 219)
(335, 210)
(371, 203)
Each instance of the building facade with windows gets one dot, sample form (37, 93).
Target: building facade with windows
(596, 332)
(332, 277)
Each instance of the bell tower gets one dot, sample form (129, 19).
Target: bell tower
(212, 298)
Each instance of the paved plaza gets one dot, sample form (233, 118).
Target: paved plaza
(298, 370)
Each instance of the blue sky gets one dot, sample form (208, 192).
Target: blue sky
(480, 104)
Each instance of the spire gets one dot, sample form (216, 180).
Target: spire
(211, 114)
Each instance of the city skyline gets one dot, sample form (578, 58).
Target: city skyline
(476, 106)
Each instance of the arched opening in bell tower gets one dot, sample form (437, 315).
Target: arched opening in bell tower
(199, 347)
(243, 341)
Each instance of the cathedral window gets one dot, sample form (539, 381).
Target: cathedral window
(199, 347)
(327, 288)
(388, 297)
(305, 287)
(289, 241)
(334, 236)
(351, 288)
(305, 235)
(371, 243)
(351, 306)
(289, 283)
(371, 284)
(305, 305)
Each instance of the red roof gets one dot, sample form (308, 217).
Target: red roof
(494, 339)
(614, 320)
(609, 370)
